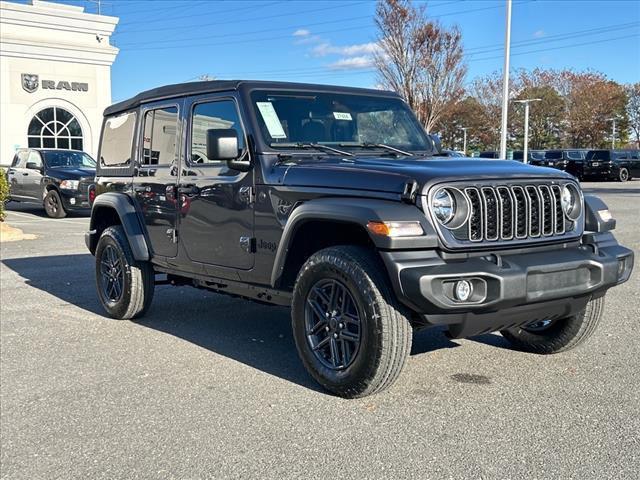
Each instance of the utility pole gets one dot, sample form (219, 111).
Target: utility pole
(464, 147)
(525, 158)
(505, 84)
(613, 120)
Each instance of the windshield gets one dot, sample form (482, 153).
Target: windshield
(553, 155)
(598, 155)
(68, 159)
(337, 119)
(536, 155)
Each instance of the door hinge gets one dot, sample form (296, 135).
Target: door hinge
(248, 244)
(247, 194)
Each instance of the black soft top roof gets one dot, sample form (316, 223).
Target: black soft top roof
(195, 88)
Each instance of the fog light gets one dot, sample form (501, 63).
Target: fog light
(464, 289)
(73, 201)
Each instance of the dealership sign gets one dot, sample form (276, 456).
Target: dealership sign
(31, 82)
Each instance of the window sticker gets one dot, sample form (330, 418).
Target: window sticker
(342, 116)
(271, 119)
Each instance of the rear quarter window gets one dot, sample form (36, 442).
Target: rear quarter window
(117, 140)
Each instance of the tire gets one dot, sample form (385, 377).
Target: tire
(623, 175)
(373, 362)
(560, 335)
(132, 297)
(53, 205)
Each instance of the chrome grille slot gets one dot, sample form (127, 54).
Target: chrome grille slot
(559, 218)
(507, 208)
(548, 210)
(475, 216)
(535, 207)
(491, 218)
(522, 212)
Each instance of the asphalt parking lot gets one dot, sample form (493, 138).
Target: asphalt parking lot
(207, 386)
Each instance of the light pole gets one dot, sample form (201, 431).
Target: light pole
(613, 120)
(464, 143)
(525, 158)
(505, 84)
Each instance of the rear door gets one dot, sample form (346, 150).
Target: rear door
(216, 213)
(14, 173)
(156, 175)
(634, 163)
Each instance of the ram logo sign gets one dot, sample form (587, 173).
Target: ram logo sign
(31, 82)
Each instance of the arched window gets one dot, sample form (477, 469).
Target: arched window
(54, 127)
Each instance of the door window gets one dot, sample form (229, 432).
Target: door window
(221, 114)
(160, 133)
(34, 157)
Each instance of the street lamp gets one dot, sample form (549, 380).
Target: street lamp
(505, 84)
(613, 133)
(526, 102)
(464, 147)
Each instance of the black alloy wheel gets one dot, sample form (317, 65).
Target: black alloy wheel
(111, 274)
(623, 176)
(333, 324)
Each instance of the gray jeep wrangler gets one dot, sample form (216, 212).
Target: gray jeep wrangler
(333, 200)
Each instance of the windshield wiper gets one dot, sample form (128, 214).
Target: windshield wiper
(378, 145)
(317, 146)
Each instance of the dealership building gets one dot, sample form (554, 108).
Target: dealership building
(55, 76)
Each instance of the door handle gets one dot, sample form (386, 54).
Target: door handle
(25, 174)
(188, 190)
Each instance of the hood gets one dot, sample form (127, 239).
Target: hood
(71, 173)
(390, 175)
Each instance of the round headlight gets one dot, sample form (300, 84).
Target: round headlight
(569, 200)
(444, 206)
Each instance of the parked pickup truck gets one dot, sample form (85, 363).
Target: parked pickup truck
(331, 200)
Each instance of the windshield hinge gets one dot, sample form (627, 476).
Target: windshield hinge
(248, 195)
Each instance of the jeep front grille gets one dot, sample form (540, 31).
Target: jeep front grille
(518, 213)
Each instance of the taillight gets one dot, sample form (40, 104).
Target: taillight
(92, 194)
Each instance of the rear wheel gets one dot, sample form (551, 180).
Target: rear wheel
(53, 205)
(125, 286)
(623, 175)
(554, 336)
(350, 332)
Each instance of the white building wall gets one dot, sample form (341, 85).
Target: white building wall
(57, 43)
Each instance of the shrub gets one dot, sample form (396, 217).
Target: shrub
(4, 192)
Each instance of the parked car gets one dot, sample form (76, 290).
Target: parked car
(570, 160)
(327, 199)
(59, 180)
(621, 165)
(489, 154)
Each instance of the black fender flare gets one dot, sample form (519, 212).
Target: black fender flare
(358, 211)
(126, 211)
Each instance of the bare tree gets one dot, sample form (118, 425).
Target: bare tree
(633, 109)
(420, 59)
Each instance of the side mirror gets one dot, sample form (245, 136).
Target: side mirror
(222, 144)
(437, 144)
(33, 166)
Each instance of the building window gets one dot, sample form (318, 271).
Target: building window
(54, 127)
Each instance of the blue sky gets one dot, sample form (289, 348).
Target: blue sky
(330, 41)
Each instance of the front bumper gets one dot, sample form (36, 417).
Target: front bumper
(510, 289)
(75, 199)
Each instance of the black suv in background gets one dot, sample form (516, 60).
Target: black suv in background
(621, 165)
(569, 160)
(332, 200)
(533, 155)
(60, 180)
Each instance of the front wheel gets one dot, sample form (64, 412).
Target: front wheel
(125, 286)
(555, 336)
(53, 205)
(350, 332)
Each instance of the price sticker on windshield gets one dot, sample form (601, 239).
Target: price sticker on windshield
(342, 116)
(271, 119)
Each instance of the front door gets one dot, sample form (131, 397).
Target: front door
(216, 215)
(16, 172)
(155, 178)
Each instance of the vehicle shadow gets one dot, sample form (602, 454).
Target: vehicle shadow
(38, 210)
(256, 335)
